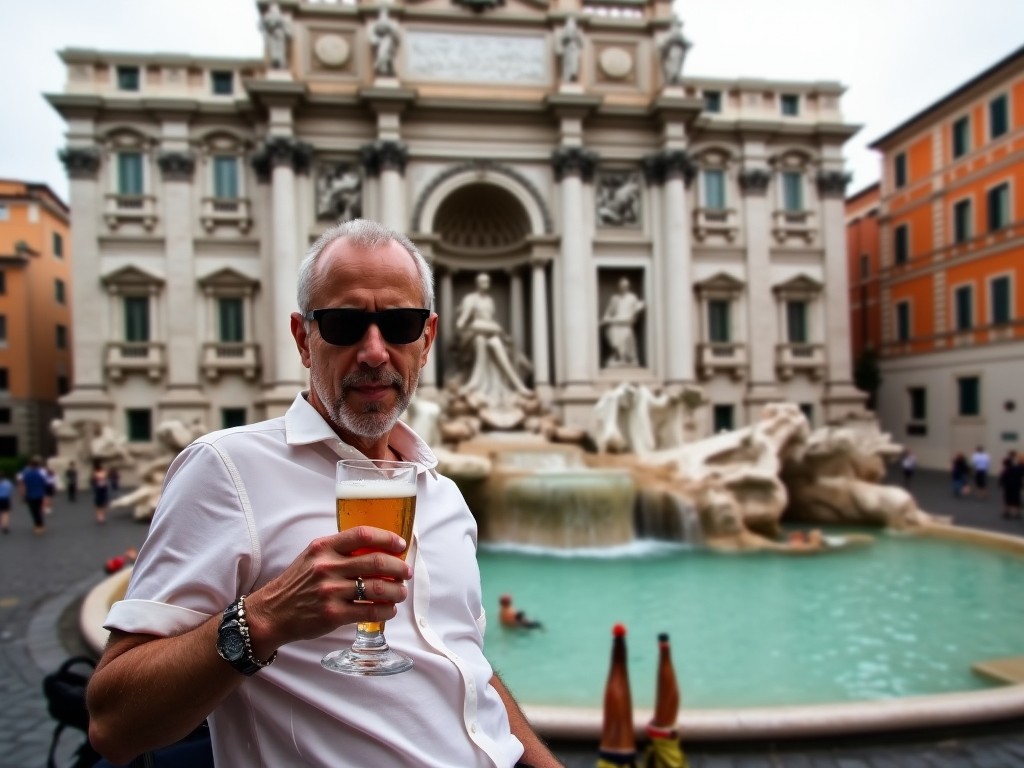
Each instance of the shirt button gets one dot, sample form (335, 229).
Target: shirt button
(423, 622)
(472, 728)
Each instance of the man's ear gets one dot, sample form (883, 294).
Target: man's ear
(429, 334)
(301, 336)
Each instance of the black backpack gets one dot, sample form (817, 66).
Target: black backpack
(65, 699)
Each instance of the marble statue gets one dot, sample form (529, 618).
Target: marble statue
(276, 29)
(619, 200)
(569, 45)
(631, 418)
(339, 192)
(384, 37)
(673, 49)
(619, 321)
(493, 376)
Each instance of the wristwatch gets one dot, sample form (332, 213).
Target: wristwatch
(233, 640)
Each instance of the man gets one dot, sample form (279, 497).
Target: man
(981, 462)
(32, 482)
(250, 512)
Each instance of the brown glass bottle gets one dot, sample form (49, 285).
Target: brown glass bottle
(618, 740)
(666, 703)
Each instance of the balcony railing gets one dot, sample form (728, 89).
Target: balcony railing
(225, 211)
(729, 357)
(121, 209)
(793, 224)
(808, 359)
(710, 222)
(223, 357)
(125, 357)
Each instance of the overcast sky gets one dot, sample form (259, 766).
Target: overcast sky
(895, 57)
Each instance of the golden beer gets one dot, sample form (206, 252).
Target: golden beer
(380, 504)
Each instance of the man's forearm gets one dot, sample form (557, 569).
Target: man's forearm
(536, 751)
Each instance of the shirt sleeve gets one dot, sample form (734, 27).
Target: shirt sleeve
(200, 551)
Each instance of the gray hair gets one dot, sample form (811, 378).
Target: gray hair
(364, 234)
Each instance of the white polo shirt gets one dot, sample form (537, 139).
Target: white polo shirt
(237, 508)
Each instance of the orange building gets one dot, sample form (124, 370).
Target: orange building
(864, 268)
(949, 279)
(35, 315)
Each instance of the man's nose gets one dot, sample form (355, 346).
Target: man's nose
(372, 348)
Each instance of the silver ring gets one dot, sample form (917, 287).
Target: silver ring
(360, 588)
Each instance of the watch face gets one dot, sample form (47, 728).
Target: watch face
(232, 645)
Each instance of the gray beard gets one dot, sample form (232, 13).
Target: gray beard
(375, 422)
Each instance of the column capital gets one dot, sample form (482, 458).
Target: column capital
(754, 181)
(281, 150)
(384, 155)
(577, 161)
(832, 183)
(80, 162)
(663, 166)
(176, 166)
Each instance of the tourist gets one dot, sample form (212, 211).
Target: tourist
(960, 474)
(71, 481)
(101, 487)
(1012, 479)
(249, 513)
(908, 463)
(32, 484)
(6, 489)
(514, 619)
(981, 463)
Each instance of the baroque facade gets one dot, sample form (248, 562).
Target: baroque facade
(557, 148)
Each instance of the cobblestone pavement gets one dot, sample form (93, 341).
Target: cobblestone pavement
(43, 578)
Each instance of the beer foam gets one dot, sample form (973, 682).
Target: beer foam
(374, 489)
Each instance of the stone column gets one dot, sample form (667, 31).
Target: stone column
(762, 337)
(387, 159)
(183, 399)
(539, 310)
(574, 166)
(841, 396)
(676, 291)
(88, 398)
(516, 309)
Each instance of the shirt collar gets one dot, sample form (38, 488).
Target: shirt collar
(304, 425)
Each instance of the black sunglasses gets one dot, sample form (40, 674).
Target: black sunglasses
(345, 327)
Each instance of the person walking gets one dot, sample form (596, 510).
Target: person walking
(960, 472)
(908, 463)
(71, 481)
(1012, 480)
(6, 490)
(100, 483)
(32, 484)
(981, 463)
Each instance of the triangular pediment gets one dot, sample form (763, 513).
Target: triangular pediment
(131, 277)
(228, 279)
(721, 282)
(800, 284)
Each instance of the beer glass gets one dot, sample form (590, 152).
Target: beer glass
(381, 494)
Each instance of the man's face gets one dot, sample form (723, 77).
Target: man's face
(363, 389)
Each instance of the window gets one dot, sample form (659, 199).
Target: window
(232, 417)
(128, 78)
(718, 321)
(962, 221)
(723, 418)
(918, 403)
(790, 104)
(4, 380)
(714, 188)
(998, 117)
(140, 424)
(793, 191)
(136, 318)
(961, 137)
(998, 207)
(63, 385)
(62, 337)
(59, 293)
(9, 445)
(1000, 289)
(222, 83)
(901, 244)
(3, 282)
(900, 169)
(796, 322)
(807, 409)
(58, 245)
(5, 212)
(129, 174)
(3, 330)
(225, 177)
(713, 101)
(5, 415)
(865, 266)
(963, 302)
(903, 321)
(968, 396)
(230, 316)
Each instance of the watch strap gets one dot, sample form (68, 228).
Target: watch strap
(247, 664)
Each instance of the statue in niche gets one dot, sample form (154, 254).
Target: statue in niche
(492, 375)
(673, 50)
(339, 190)
(618, 202)
(384, 37)
(618, 321)
(569, 45)
(276, 29)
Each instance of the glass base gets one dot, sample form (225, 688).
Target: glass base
(375, 662)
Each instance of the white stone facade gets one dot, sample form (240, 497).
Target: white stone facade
(720, 200)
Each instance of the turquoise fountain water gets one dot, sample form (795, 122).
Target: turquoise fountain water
(905, 616)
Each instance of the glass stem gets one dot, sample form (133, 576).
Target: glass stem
(369, 640)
